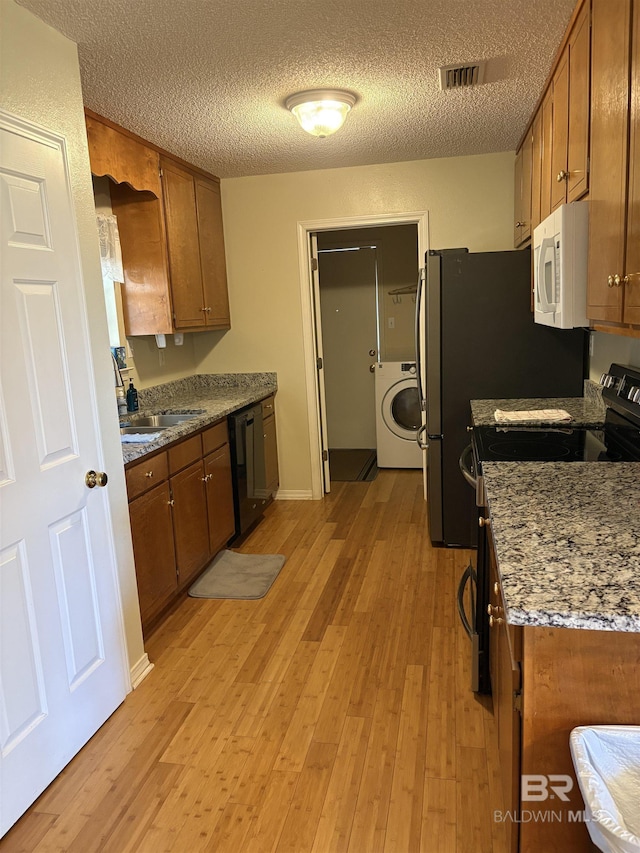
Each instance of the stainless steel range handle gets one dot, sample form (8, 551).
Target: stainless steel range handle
(469, 576)
(466, 466)
(422, 444)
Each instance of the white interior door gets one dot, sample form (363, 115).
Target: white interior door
(62, 653)
(317, 314)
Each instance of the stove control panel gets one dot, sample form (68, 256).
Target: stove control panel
(621, 389)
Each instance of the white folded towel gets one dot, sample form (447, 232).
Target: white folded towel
(546, 415)
(138, 437)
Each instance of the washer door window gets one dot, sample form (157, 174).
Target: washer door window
(401, 409)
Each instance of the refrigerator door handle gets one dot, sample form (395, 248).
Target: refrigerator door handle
(423, 445)
(469, 575)
(421, 397)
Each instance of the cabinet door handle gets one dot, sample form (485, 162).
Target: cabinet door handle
(149, 474)
(171, 502)
(630, 275)
(519, 224)
(562, 176)
(617, 280)
(610, 281)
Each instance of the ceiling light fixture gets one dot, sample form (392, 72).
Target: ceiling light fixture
(321, 111)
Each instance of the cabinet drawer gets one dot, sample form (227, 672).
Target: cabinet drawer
(146, 474)
(268, 407)
(214, 437)
(185, 453)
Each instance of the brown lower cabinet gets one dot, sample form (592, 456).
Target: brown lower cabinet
(181, 512)
(190, 520)
(217, 466)
(545, 682)
(153, 548)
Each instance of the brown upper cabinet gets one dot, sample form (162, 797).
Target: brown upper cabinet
(559, 132)
(570, 133)
(170, 223)
(196, 249)
(614, 217)
(522, 226)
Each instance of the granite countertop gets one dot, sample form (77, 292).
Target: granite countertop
(210, 396)
(587, 411)
(567, 542)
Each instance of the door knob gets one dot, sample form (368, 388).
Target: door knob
(95, 478)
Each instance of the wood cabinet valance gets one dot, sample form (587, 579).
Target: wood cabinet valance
(122, 158)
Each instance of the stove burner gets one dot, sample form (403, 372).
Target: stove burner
(523, 451)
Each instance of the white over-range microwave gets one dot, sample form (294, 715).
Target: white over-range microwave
(560, 267)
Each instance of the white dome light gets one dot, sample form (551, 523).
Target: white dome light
(321, 111)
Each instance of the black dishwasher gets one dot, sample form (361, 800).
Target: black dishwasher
(246, 440)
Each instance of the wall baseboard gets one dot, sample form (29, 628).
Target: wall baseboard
(140, 670)
(294, 495)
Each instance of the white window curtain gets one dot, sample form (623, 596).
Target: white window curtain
(110, 254)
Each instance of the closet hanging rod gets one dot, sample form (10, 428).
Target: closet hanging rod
(399, 291)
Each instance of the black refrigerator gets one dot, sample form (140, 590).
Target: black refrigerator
(479, 341)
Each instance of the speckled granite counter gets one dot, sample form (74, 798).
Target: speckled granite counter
(567, 542)
(587, 411)
(211, 396)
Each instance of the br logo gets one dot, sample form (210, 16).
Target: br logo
(537, 788)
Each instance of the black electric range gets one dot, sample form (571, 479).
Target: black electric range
(617, 441)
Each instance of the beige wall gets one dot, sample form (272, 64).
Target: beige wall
(470, 203)
(40, 82)
(609, 348)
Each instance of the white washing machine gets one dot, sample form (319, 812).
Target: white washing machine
(398, 415)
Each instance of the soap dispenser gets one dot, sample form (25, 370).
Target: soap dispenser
(132, 398)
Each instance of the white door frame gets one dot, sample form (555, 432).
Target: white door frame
(305, 229)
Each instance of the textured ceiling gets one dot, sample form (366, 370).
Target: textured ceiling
(207, 79)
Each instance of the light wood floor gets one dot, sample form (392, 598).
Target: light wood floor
(333, 715)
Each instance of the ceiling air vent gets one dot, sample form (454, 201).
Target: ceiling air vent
(461, 76)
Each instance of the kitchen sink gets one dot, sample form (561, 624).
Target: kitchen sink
(134, 430)
(136, 422)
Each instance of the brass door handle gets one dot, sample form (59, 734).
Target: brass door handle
(95, 478)
(484, 522)
(562, 176)
(610, 281)
(617, 280)
(495, 620)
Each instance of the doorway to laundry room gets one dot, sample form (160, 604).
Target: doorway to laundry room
(367, 281)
